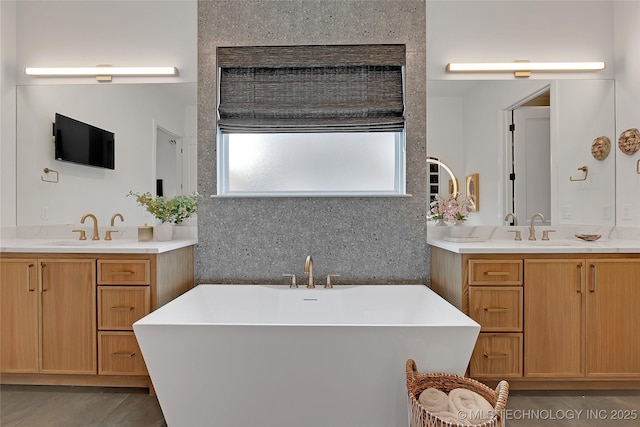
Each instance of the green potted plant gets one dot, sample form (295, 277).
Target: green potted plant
(168, 211)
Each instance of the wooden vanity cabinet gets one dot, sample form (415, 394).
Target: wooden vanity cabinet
(554, 318)
(50, 315)
(19, 309)
(613, 318)
(579, 318)
(124, 296)
(495, 302)
(67, 318)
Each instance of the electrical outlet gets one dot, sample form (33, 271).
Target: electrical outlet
(605, 212)
(44, 213)
(566, 212)
(626, 211)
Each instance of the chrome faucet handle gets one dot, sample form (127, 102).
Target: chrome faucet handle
(107, 235)
(518, 235)
(329, 276)
(545, 234)
(293, 279)
(83, 234)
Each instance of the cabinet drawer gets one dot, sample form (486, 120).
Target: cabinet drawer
(499, 272)
(497, 309)
(124, 272)
(120, 306)
(119, 354)
(497, 356)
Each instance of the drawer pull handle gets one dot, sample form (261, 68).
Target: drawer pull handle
(122, 273)
(496, 356)
(496, 273)
(123, 354)
(122, 308)
(496, 309)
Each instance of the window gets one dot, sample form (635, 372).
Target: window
(311, 120)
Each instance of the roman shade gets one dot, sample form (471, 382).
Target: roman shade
(284, 89)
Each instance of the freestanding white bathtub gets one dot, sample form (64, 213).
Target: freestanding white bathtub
(272, 356)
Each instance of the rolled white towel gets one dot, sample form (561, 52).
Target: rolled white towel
(449, 417)
(475, 407)
(434, 400)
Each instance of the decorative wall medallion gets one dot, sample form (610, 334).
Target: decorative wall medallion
(601, 147)
(629, 141)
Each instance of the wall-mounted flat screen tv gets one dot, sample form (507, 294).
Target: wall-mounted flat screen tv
(82, 143)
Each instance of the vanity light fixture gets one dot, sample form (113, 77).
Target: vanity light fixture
(523, 68)
(102, 73)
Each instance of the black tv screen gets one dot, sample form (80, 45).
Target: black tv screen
(82, 143)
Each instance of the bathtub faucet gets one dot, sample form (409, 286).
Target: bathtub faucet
(308, 269)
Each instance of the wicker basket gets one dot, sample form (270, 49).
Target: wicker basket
(421, 417)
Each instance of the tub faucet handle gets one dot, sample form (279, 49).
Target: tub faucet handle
(293, 279)
(329, 276)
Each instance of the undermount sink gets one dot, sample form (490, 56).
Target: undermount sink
(76, 242)
(551, 243)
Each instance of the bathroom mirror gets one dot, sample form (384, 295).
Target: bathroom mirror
(468, 124)
(138, 114)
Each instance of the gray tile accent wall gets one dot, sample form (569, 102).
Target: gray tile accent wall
(366, 240)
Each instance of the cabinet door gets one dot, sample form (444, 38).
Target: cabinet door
(18, 316)
(554, 318)
(68, 329)
(613, 318)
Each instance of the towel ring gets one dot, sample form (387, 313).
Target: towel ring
(47, 171)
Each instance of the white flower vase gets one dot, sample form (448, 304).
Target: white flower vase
(163, 232)
(458, 230)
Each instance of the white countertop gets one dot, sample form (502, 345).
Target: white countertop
(115, 246)
(497, 240)
(60, 239)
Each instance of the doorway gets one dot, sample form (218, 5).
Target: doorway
(168, 163)
(529, 156)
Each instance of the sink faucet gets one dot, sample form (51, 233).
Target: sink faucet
(308, 269)
(532, 229)
(116, 215)
(514, 219)
(95, 225)
(108, 233)
(513, 216)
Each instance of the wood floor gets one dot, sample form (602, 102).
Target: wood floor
(53, 406)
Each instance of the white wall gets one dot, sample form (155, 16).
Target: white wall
(76, 33)
(7, 113)
(627, 63)
(505, 31)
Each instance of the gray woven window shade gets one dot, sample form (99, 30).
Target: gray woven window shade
(276, 89)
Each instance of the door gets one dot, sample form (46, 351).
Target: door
(168, 164)
(18, 316)
(68, 310)
(613, 319)
(532, 162)
(554, 318)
